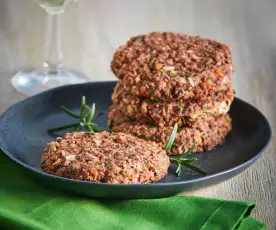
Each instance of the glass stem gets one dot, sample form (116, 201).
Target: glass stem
(53, 56)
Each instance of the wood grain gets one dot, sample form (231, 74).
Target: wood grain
(93, 29)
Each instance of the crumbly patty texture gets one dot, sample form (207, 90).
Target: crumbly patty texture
(117, 117)
(206, 136)
(172, 66)
(158, 113)
(116, 158)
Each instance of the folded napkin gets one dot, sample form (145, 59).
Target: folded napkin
(25, 204)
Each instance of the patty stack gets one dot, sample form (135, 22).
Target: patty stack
(168, 78)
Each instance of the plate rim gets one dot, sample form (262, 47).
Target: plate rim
(238, 167)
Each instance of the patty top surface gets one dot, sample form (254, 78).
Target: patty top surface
(169, 54)
(105, 157)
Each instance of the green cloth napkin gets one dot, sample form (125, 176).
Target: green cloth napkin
(25, 204)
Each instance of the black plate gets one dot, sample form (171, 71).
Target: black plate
(23, 137)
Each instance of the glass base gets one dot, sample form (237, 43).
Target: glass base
(33, 82)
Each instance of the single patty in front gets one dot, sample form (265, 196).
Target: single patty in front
(115, 158)
(172, 66)
(158, 113)
(205, 137)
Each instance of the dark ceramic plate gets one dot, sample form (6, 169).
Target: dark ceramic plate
(23, 136)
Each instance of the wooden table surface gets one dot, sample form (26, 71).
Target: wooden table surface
(93, 29)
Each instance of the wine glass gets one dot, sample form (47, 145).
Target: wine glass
(51, 73)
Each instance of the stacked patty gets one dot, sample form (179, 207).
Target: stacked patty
(168, 78)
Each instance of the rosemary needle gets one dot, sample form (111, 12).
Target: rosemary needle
(68, 112)
(171, 139)
(60, 128)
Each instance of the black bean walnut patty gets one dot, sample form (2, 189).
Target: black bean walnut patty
(206, 136)
(117, 158)
(186, 113)
(172, 66)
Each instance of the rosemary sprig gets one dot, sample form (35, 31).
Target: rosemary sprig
(181, 160)
(85, 118)
(171, 139)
